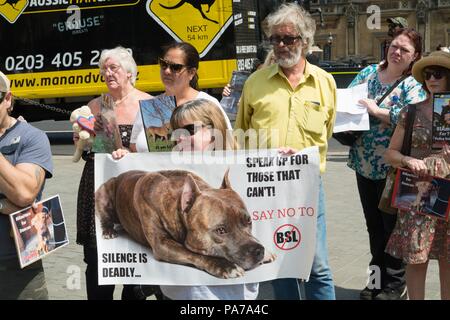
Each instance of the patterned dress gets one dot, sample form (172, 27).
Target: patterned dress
(85, 203)
(366, 155)
(416, 237)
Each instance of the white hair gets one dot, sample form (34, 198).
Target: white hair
(295, 15)
(123, 57)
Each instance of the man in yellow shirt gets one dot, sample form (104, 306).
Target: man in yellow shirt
(295, 102)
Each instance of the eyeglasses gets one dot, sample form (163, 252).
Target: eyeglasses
(113, 68)
(436, 73)
(174, 67)
(287, 40)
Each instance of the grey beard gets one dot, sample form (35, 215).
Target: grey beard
(291, 61)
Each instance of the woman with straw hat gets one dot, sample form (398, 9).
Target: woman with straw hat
(418, 238)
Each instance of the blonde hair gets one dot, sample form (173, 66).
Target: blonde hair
(125, 59)
(292, 13)
(209, 114)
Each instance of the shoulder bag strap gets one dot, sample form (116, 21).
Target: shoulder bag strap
(395, 85)
(410, 116)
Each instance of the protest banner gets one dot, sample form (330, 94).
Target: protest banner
(206, 219)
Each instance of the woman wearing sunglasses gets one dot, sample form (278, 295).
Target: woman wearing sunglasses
(119, 71)
(390, 87)
(198, 125)
(178, 72)
(418, 238)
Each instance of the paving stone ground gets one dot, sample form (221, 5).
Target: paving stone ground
(347, 236)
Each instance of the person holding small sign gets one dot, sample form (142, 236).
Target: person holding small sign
(390, 88)
(25, 164)
(418, 238)
(179, 74)
(119, 71)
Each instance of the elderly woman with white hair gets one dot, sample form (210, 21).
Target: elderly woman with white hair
(119, 70)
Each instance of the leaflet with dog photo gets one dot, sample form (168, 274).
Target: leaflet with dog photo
(427, 195)
(156, 114)
(39, 231)
(205, 219)
(441, 119)
(108, 139)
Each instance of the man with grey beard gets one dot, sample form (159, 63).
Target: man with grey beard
(296, 102)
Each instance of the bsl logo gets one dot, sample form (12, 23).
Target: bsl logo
(287, 237)
(12, 9)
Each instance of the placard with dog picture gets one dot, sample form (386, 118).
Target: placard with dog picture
(427, 195)
(39, 232)
(108, 139)
(156, 115)
(441, 119)
(206, 218)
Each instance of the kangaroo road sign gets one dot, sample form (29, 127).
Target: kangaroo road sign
(199, 22)
(12, 9)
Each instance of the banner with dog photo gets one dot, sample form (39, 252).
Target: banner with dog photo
(206, 219)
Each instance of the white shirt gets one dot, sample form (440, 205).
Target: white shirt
(138, 133)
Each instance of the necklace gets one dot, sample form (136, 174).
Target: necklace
(123, 98)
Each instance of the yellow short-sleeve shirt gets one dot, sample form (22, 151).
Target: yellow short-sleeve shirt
(289, 117)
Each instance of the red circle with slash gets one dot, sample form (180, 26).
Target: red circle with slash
(287, 237)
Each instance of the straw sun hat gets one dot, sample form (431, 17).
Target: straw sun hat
(436, 58)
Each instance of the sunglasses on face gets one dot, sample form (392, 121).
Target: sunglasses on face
(436, 73)
(287, 40)
(193, 128)
(190, 128)
(174, 67)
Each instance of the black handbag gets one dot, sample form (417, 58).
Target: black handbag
(348, 138)
(388, 191)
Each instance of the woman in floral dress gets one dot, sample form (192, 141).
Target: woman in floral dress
(418, 238)
(366, 154)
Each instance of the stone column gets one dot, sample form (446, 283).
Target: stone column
(351, 13)
(422, 18)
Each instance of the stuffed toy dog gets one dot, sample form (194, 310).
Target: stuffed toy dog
(83, 124)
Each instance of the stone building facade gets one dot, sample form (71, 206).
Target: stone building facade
(357, 29)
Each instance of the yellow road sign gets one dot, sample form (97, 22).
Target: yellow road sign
(12, 9)
(199, 22)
